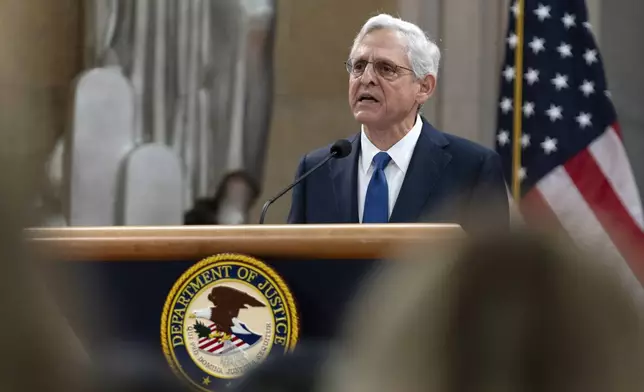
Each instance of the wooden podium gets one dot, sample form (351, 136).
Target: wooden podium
(130, 270)
(132, 243)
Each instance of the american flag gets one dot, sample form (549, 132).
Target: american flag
(558, 133)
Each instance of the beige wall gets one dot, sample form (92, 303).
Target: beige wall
(38, 59)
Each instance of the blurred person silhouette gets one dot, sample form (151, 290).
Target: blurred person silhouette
(230, 205)
(510, 312)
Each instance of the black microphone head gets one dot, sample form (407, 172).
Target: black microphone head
(341, 148)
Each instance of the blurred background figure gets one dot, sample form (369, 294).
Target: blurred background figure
(507, 313)
(230, 205)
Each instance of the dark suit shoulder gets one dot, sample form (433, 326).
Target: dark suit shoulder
(473, 183)
(467, 153)
(466, 146)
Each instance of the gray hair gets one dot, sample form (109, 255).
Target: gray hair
(423, 53)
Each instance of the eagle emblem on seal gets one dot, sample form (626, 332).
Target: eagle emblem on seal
(224, 324)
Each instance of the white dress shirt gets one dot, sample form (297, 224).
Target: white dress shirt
(400, 154)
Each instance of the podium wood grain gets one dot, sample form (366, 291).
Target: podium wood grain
(301, 242)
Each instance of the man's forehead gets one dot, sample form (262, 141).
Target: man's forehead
(386, 44)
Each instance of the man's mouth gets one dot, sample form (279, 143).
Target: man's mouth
(365, 97)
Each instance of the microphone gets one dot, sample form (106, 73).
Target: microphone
(339, 149)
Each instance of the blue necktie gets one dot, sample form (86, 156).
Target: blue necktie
(376, 203)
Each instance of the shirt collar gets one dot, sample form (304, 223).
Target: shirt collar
(400, 152)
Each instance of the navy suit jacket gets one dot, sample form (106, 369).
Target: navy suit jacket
(449, 180)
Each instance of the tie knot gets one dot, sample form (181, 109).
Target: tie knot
(381, 160)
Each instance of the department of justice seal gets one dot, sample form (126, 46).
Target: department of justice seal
(224, 315)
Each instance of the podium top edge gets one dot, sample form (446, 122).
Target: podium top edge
(246, 230)
(191, 242)
(306, 226)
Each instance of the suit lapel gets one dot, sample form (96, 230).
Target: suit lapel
(425, 169)
(344, 173)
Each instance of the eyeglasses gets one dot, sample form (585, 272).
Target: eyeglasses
(385, 69)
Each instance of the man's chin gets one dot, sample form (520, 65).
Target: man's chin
(366, 118)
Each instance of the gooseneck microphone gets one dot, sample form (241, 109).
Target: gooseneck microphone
(339, 149)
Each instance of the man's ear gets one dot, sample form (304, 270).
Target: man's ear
(427, 87)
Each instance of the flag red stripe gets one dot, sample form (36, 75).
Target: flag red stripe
(608, 208)
(539, 215)
(610, 155)
(537, 212)
(234, 340)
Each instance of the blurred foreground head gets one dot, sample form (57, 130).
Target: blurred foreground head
(40, 350)
(511, 313)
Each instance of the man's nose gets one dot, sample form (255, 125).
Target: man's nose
(369, 75)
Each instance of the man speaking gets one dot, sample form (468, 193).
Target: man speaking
(400, 168)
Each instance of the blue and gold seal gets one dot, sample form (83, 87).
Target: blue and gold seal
(225, 315)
